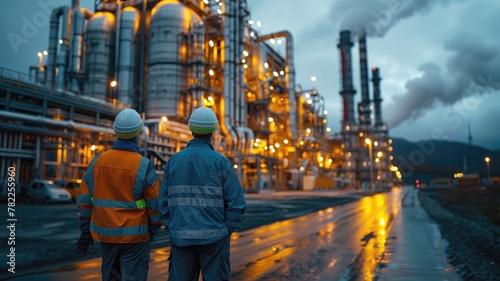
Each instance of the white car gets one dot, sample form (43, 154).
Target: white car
(47, 192)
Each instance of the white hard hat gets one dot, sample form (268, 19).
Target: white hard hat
(128, 124)
(203, 121)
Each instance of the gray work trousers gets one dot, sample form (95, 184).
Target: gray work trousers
(185, 263)
(126, 262)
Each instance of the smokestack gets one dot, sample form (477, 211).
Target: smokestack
(377, 100)
(347, 91)
(364, 106)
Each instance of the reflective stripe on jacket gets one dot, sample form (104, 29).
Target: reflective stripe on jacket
(119, 193)
(201, 198)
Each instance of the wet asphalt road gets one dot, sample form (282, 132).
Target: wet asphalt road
(295, 241)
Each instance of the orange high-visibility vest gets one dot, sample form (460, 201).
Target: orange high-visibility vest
(119, 192)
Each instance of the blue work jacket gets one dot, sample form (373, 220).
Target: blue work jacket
(201, 198)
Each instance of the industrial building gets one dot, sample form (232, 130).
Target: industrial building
(165, 58)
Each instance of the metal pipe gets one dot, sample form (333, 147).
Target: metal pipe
(53, 33)
(200, 40)
(289, 76)
(142, 56)
(228, 103)
(127, 54)
(48, 121)
(76, 56)
(62, 54)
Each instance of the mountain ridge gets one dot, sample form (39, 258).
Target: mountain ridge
(435, 158)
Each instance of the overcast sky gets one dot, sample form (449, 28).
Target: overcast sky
(439, 59)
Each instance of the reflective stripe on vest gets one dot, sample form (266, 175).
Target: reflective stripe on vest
(140, 178)
(89, 175)
(196, 202)
(119, 231)
(103, 203)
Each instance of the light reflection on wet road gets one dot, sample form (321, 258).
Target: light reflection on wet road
(339, 243)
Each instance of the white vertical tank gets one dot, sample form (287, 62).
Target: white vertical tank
(99, 54)
(167, 77)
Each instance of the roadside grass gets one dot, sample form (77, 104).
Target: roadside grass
(475, 201)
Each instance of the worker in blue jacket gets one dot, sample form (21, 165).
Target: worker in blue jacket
(201, 203)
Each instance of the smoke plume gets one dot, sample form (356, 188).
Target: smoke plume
(471, 70)
(375, 17)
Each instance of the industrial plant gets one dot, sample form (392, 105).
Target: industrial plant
(165, 58)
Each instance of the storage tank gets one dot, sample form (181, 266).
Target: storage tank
(100, 51)
(167, 76)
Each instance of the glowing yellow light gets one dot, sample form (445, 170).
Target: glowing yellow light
(113, 83)
(325, 112)
(266, 65)
(257, 140)
(270, 119)
(45, 52)
(328, 129)
(285, 141)
(273, 99)
(245, 53)
(324, 121)
(164, 119)
(276, 74)
(321, 159)
(361, 134)
(245, 66)
(309, 101)
(301, 142)
(277, 145)
(40, 54)
(243, 61)
(93, 147)
(249, 94)
(282, 73)
(235, 166)
(211, 72)
(210, 98)
(211, 43)
(307, 95)
(272, 41)
(302, 169)
(379, 154)
(368, 141)
(308, 130)
(487, 159)
(313, 78)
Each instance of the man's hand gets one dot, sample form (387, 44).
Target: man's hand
(83, 243)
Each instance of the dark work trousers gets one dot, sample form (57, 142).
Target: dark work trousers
(127, 262)
(213, 260)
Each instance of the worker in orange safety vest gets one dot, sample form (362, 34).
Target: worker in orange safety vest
(118, 204)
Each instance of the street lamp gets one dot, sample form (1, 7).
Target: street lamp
(369, 143)
(487, 160)
(379, 157)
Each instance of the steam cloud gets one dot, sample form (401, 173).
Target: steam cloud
(376, 17)
(471, 70)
